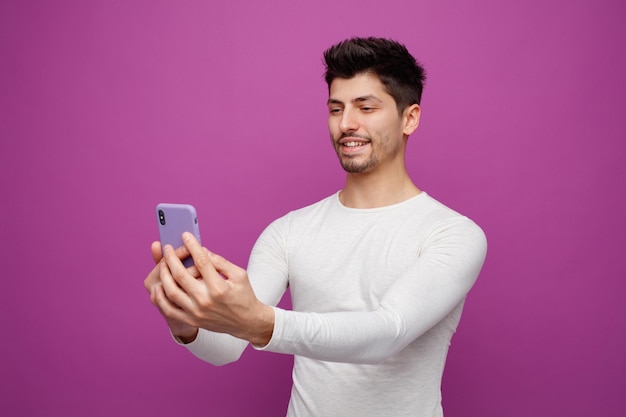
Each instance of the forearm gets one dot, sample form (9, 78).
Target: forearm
(351, 337)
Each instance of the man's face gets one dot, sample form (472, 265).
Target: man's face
(365, 127)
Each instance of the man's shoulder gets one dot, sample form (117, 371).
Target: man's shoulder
(312, 209)
(441, 218)
(428, 204)
(305, 214)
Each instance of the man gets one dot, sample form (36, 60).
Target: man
(378, 272)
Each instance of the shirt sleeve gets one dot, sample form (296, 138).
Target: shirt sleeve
(216, 348)
(436, 282)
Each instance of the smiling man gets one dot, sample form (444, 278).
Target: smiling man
(369, 134)
(378, 272)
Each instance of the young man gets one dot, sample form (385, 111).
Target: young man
(378, 272)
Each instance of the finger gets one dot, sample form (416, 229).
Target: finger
(200, 257)
(193, 271)
(157, 256)
(153, 294)
(178, 283)
(167, 308)
(226, 268)
(157, 252)
(152, 279)
(155, 249)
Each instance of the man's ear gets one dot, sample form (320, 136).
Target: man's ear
(411, 119)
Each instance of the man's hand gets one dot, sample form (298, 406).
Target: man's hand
(180, 329)
(220, 298)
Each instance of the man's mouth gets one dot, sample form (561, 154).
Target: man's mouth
(353, 141)
(353, 144)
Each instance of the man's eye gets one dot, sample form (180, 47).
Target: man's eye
(335, 111)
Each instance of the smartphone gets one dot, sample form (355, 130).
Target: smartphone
(173, 220)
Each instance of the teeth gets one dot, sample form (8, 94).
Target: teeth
(352, 144)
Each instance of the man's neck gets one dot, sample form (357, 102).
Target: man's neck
(369, 190)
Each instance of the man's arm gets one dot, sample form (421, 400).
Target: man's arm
(433, 286)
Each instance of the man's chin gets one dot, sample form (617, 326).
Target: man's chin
(353, 167)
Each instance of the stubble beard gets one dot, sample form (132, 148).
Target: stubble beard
(352, 164)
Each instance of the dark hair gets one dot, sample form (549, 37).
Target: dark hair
(399, 72)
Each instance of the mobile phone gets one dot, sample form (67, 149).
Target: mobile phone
(173, 220)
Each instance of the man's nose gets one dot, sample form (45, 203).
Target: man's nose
(349, 122)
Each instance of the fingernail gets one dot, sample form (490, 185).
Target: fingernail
(186, 236)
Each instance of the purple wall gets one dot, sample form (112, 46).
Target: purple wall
(107, 108)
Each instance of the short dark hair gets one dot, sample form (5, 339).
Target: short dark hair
(397, 69)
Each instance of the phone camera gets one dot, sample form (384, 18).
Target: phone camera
(162, 217)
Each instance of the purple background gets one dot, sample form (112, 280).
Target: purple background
(109, 107)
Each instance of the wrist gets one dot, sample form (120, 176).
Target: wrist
(185, 337)
(264, 329)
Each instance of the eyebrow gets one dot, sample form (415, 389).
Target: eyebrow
(356, 100)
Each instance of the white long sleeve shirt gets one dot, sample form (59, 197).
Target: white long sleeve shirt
(377, 295)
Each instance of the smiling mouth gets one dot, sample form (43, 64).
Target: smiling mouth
(353, 144)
